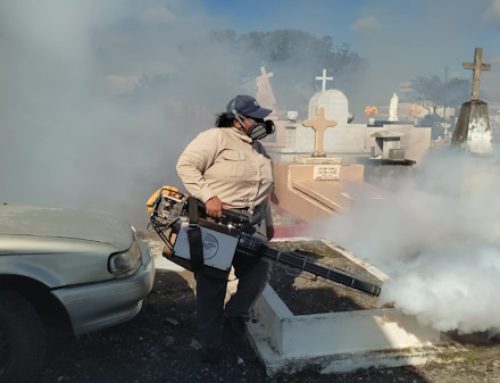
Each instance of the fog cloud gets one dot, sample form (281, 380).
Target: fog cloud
(97, 99)
(438, 237)
(492, 14)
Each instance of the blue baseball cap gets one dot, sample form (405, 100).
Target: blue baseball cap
(247, 106)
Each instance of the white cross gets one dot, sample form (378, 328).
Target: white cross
(264, 73)
(323, 79)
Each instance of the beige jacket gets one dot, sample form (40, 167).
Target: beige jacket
(223, 162)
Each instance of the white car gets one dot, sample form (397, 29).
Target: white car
(64, 270)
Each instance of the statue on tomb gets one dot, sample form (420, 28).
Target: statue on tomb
(393, 108)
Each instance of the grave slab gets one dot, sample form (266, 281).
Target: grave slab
(338, 341)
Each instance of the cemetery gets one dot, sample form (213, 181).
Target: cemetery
(312, 188)
(320, 166)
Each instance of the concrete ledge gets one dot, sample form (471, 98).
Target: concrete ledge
(340, 341)
(336, 342)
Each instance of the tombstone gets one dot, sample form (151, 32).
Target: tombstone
(344, 138)
(473, 130)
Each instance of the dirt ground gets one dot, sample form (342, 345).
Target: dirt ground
(157, 346)
(309, 295)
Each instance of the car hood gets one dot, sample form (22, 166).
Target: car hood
(65, 223)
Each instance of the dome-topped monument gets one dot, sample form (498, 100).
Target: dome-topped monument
(334, 102)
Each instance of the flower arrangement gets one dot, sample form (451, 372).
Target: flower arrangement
(415, 110)
(371, 110)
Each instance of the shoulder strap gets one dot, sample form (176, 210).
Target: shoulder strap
(259, 148)
(194, 235)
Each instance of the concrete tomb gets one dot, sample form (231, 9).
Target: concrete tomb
(388, 146)
(337, 341)
(310, 181)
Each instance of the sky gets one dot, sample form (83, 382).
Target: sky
(401, 39)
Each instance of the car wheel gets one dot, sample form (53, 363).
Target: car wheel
(22, 338)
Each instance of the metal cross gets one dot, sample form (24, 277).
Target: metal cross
(323, 80)
(477, 66)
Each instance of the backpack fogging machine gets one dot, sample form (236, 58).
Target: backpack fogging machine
(200, 243)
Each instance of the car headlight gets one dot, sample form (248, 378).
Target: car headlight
(126, 262)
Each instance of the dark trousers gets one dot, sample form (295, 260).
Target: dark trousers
(252, 273)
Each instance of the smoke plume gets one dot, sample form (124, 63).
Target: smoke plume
(437, 237)
(97, 99)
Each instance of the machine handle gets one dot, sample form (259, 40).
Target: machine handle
(230, 215)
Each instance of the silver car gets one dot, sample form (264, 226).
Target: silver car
(64, 270)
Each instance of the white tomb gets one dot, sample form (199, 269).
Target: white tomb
(343, 138)
(339, 341)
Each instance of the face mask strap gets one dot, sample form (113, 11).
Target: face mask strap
(238, 116)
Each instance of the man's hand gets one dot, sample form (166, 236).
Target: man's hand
(214, 207)
(270, 232)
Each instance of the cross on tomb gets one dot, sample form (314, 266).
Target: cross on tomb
(477, 66)
(319, 124)
(323, 80)
(265, 94)
(264, 74)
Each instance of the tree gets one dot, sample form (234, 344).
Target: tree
(451, 93)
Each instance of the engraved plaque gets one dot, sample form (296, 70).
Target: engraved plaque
(326, 172)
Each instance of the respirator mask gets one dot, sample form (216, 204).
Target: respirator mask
(259, 129)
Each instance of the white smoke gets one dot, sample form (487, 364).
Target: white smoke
(98, 98)
(492, 14)
(438, 237)
(87, 118)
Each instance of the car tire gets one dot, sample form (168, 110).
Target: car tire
(23, 339)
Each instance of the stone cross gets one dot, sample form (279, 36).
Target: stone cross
(319, 124)
(265, 94)
(264, 74)
(477, 66)
(323, 80)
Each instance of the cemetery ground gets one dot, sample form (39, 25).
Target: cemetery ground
(157, 346)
